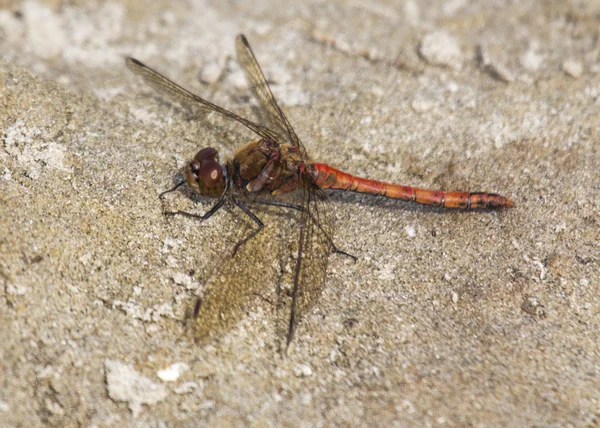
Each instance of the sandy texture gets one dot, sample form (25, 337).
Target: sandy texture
(447, 318)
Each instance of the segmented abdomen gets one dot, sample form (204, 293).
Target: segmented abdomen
(327, 177)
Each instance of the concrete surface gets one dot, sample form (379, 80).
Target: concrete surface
(447, 318)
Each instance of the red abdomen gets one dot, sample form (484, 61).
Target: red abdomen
(327, 177)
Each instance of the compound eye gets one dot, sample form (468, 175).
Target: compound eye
(204, 154)
(211, 173)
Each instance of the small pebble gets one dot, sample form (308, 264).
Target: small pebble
(302, 370)
(572, 68)
(172, 373)
(440, 48)
(124, 383)
(211, 73)
(531, 60)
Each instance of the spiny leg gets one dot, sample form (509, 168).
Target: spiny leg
(205, 216)
(214, 209)
(300, 208)
(177, 186)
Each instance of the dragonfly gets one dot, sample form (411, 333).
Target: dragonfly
(276, 163)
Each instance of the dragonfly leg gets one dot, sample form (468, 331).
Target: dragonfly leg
(336, 250)
(205, 216)
(256, 220)
(300, 208)
(177, 186)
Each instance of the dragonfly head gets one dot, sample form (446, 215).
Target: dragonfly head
(205, 175)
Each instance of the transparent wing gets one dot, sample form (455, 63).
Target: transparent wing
(253, 273)
(262, 92)
(169, 88)
(240, 282)
(314, 247)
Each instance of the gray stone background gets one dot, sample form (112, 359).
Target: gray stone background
(447, 318)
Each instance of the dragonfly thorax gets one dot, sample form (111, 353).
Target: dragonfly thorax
(205, 175)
